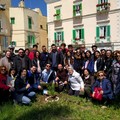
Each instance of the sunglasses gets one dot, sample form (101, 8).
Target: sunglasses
(3, 69)
(101, 75)
(48, 66)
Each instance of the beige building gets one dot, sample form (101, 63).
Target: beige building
(84, 22)
(5, 26)
(27, 28)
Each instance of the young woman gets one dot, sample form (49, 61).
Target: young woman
(23, 95)
(36, 61)
(88, 82)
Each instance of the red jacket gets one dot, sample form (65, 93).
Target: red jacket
(3, 81)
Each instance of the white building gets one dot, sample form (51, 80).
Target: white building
(84, 22)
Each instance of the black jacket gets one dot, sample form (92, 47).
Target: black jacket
(17, 64)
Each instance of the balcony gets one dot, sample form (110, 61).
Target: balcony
(51, 1)
(103, 7)
(2, 7)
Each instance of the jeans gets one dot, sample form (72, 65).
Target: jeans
(26, 99)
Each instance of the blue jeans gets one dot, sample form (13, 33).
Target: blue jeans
(26, 99)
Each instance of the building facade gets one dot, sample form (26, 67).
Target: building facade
(26, 27)
(5, 26)
(84, 22)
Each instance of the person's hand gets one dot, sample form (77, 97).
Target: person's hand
(39, 87)
(57, 78)
(93, 94)
(12, 89)
(65, 82)
(27, 86)
(82, 89)
(101, 92)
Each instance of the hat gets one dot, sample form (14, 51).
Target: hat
(11, 46)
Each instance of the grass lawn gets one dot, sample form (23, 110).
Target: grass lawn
(67, 108)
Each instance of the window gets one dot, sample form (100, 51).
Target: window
(77, 9)
(12, 20)
(41, 26)
(0, 26)
(13, 43)
(29, 22)
(31, 40)
(57, 15)
(59, 38)
(78, 35)
(103, 5)
(103, 33)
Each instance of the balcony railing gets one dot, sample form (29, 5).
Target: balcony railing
(57, 17)
(103, 7)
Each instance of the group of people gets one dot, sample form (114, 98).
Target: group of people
(77, 71)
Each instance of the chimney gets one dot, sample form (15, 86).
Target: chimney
(21, 4)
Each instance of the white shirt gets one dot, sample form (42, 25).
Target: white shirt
(76, 82)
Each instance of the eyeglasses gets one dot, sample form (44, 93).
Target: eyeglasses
(3, 69)
(48, 66)
(101, 75)
(118, 56)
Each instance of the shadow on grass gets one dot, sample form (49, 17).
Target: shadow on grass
(49, 111)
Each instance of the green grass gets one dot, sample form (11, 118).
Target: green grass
(67, 108)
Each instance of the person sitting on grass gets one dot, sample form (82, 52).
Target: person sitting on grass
(47, 77)
(34, 79)
(88, 82)
(4, 88)
(105, 88)
(61, 78)
(76, 83)
(23, 95)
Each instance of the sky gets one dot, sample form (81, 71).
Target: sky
(33, 4)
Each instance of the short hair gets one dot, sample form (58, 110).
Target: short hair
(21, 49)
(35, 46)
(70, 46)
(53, 45)
(63, 44)
(94, 46)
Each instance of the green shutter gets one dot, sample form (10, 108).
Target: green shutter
(55, 36)
(74, 10)
(12, 20)
(108, 33)
(33, 40)
(74, 35)
(82, 34)
(62, 36)
(106, 1)
(97, 34)
(81, 9)
(58, 14)
(98, 8)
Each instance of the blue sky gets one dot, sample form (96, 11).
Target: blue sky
(33, 4)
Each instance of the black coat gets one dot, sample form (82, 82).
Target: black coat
(59, 58)
(17, 64)
(20, 88)
(100, 64)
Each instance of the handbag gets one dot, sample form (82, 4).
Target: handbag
(97, 94)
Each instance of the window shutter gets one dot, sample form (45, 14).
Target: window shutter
(74, 35)
(62, 36)
(58, 14)
(97, 34)
(55, 36)
(74, 10)
(33, 40)
(98, 8)
(106, 1)
(82, 34)
(108, 33)
(81, 9)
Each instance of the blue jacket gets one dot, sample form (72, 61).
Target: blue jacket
(106, 87)
(90, 66)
